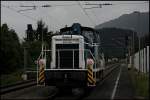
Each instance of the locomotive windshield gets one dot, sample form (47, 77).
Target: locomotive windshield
(66, 56)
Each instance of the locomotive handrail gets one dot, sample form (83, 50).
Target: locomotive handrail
(73, 50)
(91, 54)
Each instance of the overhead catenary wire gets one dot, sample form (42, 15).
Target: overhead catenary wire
(64, 5)
(10, 8)
(104, 4)
(44, 12)
(25, 10)
(57, 20)
(85, 13)
(99, 5)
(95, 16)
(129, 3)
(34, 7)
(45, 5)
(114, 3)
(111, 4)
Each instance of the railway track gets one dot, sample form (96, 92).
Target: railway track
(108, 72)
(79, 94)
(17, 86)
(67, 95)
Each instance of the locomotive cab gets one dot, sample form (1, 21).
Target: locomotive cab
(69, 53)
(67, 64)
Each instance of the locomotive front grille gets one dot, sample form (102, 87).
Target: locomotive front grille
(67, 56)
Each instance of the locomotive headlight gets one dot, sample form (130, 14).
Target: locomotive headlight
(42, 62)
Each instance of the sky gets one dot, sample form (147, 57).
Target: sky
(63, 13)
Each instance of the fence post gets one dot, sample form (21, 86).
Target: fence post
(139, 58)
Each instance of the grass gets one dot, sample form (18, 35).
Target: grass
(7, 79)
(140, 82)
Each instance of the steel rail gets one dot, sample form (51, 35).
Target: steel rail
(17, 86)
(60, 95)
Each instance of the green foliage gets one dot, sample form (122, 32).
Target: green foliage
(140, 82)
(11, 55)
(41, 31)
(39, 34)
(114, 43)
(33, 51)
(11, 78)
(33, 42)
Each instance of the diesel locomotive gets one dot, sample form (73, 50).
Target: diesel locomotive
(70, 52)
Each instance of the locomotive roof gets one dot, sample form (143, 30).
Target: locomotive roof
(82, 28)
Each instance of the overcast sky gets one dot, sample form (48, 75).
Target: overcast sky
(58, 16)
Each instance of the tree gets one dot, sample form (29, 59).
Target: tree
(41, 32)
(11, 55)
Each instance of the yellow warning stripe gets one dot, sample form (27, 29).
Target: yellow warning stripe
(42, 68)
(90, 68)
(91, 78)
(90, 75)
(42, 80)
(41, 77)
(90, 72)
(41, 73)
